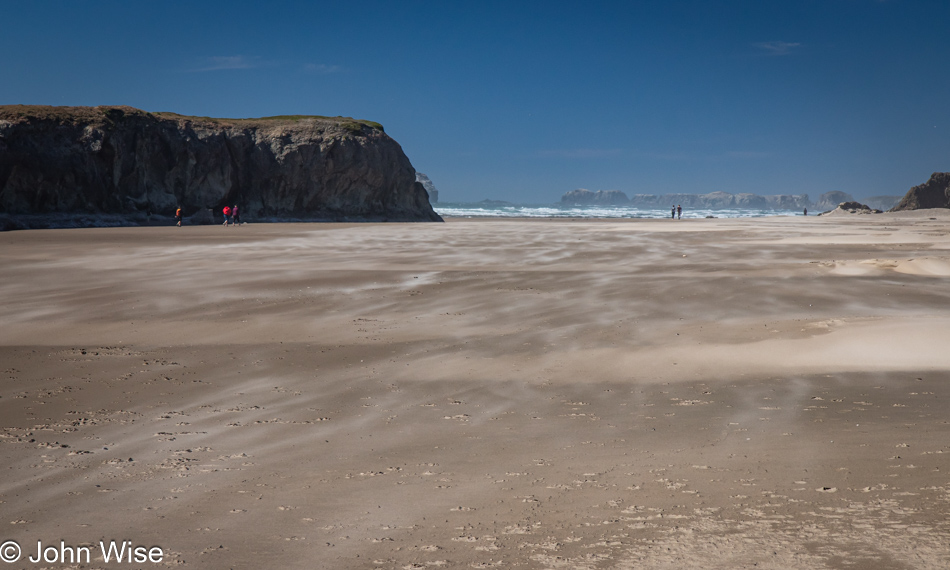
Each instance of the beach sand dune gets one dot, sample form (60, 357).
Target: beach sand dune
(721, 393)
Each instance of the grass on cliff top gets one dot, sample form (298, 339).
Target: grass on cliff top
(106, 113)
(348, 123)
(71, 114)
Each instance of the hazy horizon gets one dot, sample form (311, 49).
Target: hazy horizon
(557, 199)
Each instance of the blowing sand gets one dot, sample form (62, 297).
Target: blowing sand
(757, 393)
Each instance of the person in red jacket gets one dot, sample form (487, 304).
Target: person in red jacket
(178, 216)
(227, 213)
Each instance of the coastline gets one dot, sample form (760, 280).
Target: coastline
(485, 392)
(9, 222)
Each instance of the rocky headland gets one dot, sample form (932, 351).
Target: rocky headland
(935, 193)
(121, 163)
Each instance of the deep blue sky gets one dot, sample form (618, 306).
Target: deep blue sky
(524, 101)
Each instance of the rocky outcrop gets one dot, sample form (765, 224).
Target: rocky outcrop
(582, 197)
(848, 208)
(429, 186)
(830, 200)
(123, 161)
(935, 193)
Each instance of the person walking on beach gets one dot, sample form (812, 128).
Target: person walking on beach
(235, 216)
(806, 211)
(178, 216)
(679, 212)
(672, 212)
(227, 214)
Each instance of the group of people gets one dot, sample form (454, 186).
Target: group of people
(676, 212)
(232, 215)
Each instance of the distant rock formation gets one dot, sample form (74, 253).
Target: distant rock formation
(882, 202)
(123, 161)
(788, 201)
(746, 200)
(712, 200)
(582, 197)
(830, 200)
(848, 208)
(429, 186)
(935, 193)
(722, 201)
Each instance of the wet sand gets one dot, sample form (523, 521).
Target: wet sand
(721, 393)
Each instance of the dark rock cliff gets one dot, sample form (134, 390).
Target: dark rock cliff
(120, 160)
(935, 193)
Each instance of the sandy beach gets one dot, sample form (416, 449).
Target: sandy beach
(580, 394)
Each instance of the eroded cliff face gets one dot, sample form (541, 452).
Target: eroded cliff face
(120, 160)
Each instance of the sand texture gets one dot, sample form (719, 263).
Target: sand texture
(717, 394)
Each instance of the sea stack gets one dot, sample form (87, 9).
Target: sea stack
(124, 161)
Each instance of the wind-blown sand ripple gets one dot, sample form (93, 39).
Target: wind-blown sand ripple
(765, 393)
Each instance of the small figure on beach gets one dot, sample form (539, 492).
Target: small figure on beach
(672, 212)
(227, 214)
(679, 212)
(235, 216)
(806, 211)
(178, 216)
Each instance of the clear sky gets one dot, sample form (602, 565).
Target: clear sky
(524, 101)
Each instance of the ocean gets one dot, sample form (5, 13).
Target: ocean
(483, 210)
